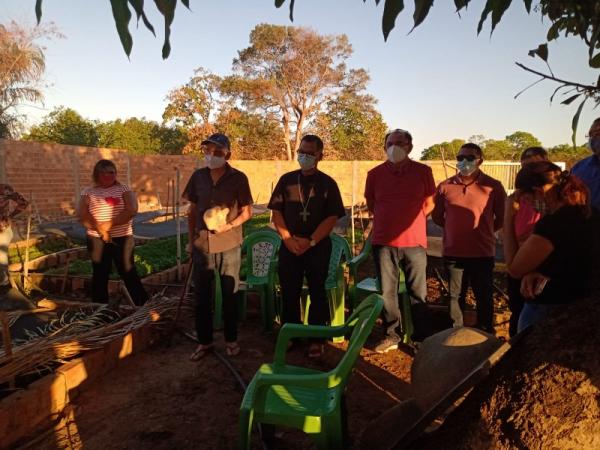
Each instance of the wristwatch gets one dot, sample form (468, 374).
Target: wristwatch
(313, 242)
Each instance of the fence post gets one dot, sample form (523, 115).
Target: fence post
(76, 178)
(128, 172)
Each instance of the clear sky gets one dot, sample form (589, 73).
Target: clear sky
(440, 82)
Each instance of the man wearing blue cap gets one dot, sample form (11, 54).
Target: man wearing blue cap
(220, 202)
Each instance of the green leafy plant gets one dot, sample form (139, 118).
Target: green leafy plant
(16, 255)
(155, 256)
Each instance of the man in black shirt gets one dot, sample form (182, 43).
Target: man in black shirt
(306, 205)
(216, 187)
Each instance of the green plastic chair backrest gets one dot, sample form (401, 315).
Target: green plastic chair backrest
(361, 323)
(261, 249)
(340, 251)
(367, 248)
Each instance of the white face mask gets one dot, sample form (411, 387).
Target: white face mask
(466, 168)
(214, 162)
(396, 154)
(306, 161)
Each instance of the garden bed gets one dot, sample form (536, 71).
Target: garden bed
(51, 370)
(155, 261)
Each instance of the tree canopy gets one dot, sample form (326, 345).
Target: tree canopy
(22, 65)
(287, 81)
(64, 126)
(507, 149)
(564, 17)
(138, 136)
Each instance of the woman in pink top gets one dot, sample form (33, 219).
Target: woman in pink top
(520, 216)
(106, 210)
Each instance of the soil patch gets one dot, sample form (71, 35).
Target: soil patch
(545, 393)
(159, 398)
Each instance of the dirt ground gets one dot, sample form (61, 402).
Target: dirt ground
(159, 399)
(544, 394)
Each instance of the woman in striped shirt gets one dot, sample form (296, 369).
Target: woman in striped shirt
(106, 210)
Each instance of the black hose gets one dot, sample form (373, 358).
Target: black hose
(235, 373)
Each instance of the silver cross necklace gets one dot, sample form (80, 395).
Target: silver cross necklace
(304, 214)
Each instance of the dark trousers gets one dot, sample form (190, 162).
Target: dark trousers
(227, 264)
(119, 251)
(388, 261)
(479, 273)
(515, 304)
(314, 264)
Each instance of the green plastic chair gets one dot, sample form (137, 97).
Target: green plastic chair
(261, 249)
(372, 285)
(307, 399)
(335, 284)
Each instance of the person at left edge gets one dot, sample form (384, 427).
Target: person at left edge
(218, 185)
(306, 205)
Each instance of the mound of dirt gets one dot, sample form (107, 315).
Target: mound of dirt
(545, 393)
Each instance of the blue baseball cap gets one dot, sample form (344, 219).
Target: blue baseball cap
(218, 139)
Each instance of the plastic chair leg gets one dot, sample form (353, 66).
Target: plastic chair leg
(305, 299)
(245, 425)
(336, 309)
(270, 305)
(407, 322)
(335, 432)
(266, 310)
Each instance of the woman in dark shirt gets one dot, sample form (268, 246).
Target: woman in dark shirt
(556, 260)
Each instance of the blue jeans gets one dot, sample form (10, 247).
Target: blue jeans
(388, 261)
(533, 313)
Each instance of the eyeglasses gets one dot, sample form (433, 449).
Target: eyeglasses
(469, 158)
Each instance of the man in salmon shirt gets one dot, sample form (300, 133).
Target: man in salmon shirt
(399, 194)
(470, 208)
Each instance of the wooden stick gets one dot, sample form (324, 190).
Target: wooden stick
(7, 341)
(173, 202)
(37, 211)
(26, 263)
(177, 222)
(184, 292)
(168, 200)
(444, 161)
(53, 303)
(442, 281)
(126, 294)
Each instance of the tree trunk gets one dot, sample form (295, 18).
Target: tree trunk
(299, 130)
(288, 144)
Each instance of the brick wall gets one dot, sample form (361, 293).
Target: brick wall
(55, 174)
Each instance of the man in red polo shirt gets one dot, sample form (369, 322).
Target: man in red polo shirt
(470, 208)
(399, 194)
